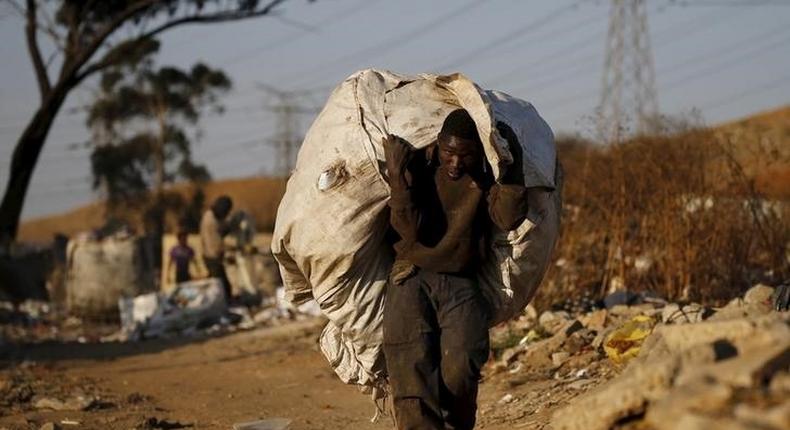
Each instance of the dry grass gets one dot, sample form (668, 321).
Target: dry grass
(700, 214)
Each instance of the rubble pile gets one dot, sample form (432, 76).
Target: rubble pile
(194, 309)
(637, 360)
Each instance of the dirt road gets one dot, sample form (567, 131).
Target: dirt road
(207, 383)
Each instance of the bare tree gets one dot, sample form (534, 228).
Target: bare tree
(91, 36)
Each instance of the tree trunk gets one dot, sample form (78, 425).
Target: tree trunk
(23, 162)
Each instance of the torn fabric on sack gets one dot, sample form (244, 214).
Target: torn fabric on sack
(329, 237)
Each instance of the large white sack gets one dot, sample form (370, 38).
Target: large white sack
(329, 233)
(99, 272)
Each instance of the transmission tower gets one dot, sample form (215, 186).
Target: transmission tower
(628, 94)
(287, 107)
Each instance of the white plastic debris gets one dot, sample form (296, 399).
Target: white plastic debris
(188, 306)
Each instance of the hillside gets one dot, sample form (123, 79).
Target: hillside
(257, 195)
(762, 142)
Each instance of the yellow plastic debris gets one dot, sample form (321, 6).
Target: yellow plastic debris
(624, 343)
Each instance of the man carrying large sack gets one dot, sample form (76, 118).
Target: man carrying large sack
(443, 199)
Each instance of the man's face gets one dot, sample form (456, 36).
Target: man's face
(458, 156)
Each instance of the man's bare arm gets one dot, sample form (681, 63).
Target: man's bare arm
(507, 200)
(404, 217)
(507, 205)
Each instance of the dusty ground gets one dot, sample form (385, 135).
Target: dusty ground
(212, 383)
(724, 367)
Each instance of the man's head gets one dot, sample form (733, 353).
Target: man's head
(182, 236)
(221, 207)
(460, 150)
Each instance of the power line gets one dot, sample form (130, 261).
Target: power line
(288, 137)
(718, 52)
(579, 64)
(708, 71)
(546, 59)
(720, 67)
(743, 3)
(287, 40)
(510, 36)
(381, 48)
(760, 89)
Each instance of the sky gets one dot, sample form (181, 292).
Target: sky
(725, 59)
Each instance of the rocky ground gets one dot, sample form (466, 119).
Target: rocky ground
(693, 368)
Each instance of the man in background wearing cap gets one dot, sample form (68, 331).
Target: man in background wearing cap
(443, 202)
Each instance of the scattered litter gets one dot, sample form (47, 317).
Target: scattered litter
(624, 343)
(188, 306)
(532, 336)
(77, 403)
(267, 424)
(153, 423)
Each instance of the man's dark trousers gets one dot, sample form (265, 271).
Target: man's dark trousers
(435, 342)
(216, 269)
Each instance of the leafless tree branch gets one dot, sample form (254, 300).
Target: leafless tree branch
(40, 68)
(216, 17)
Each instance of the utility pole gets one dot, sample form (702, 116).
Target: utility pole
(628, 90)
(287, 107)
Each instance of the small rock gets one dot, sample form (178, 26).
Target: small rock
(49, 426)
(510, 354)
(559, 357)
(578, 385)
(515, 382)
(530, 312)
(553, 321)
(595, 320)
(507, 398)
(578, 340)
(571, 327)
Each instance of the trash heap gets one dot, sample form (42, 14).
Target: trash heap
(643, 362)
(200, 306)
(192, 309)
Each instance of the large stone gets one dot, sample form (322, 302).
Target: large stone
(703, 397)
(619, 398)
(740, 308)
(757, 364)
(684, 372)
(668, 338)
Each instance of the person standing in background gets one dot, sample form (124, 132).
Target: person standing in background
(182, 256)
(212, 230)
